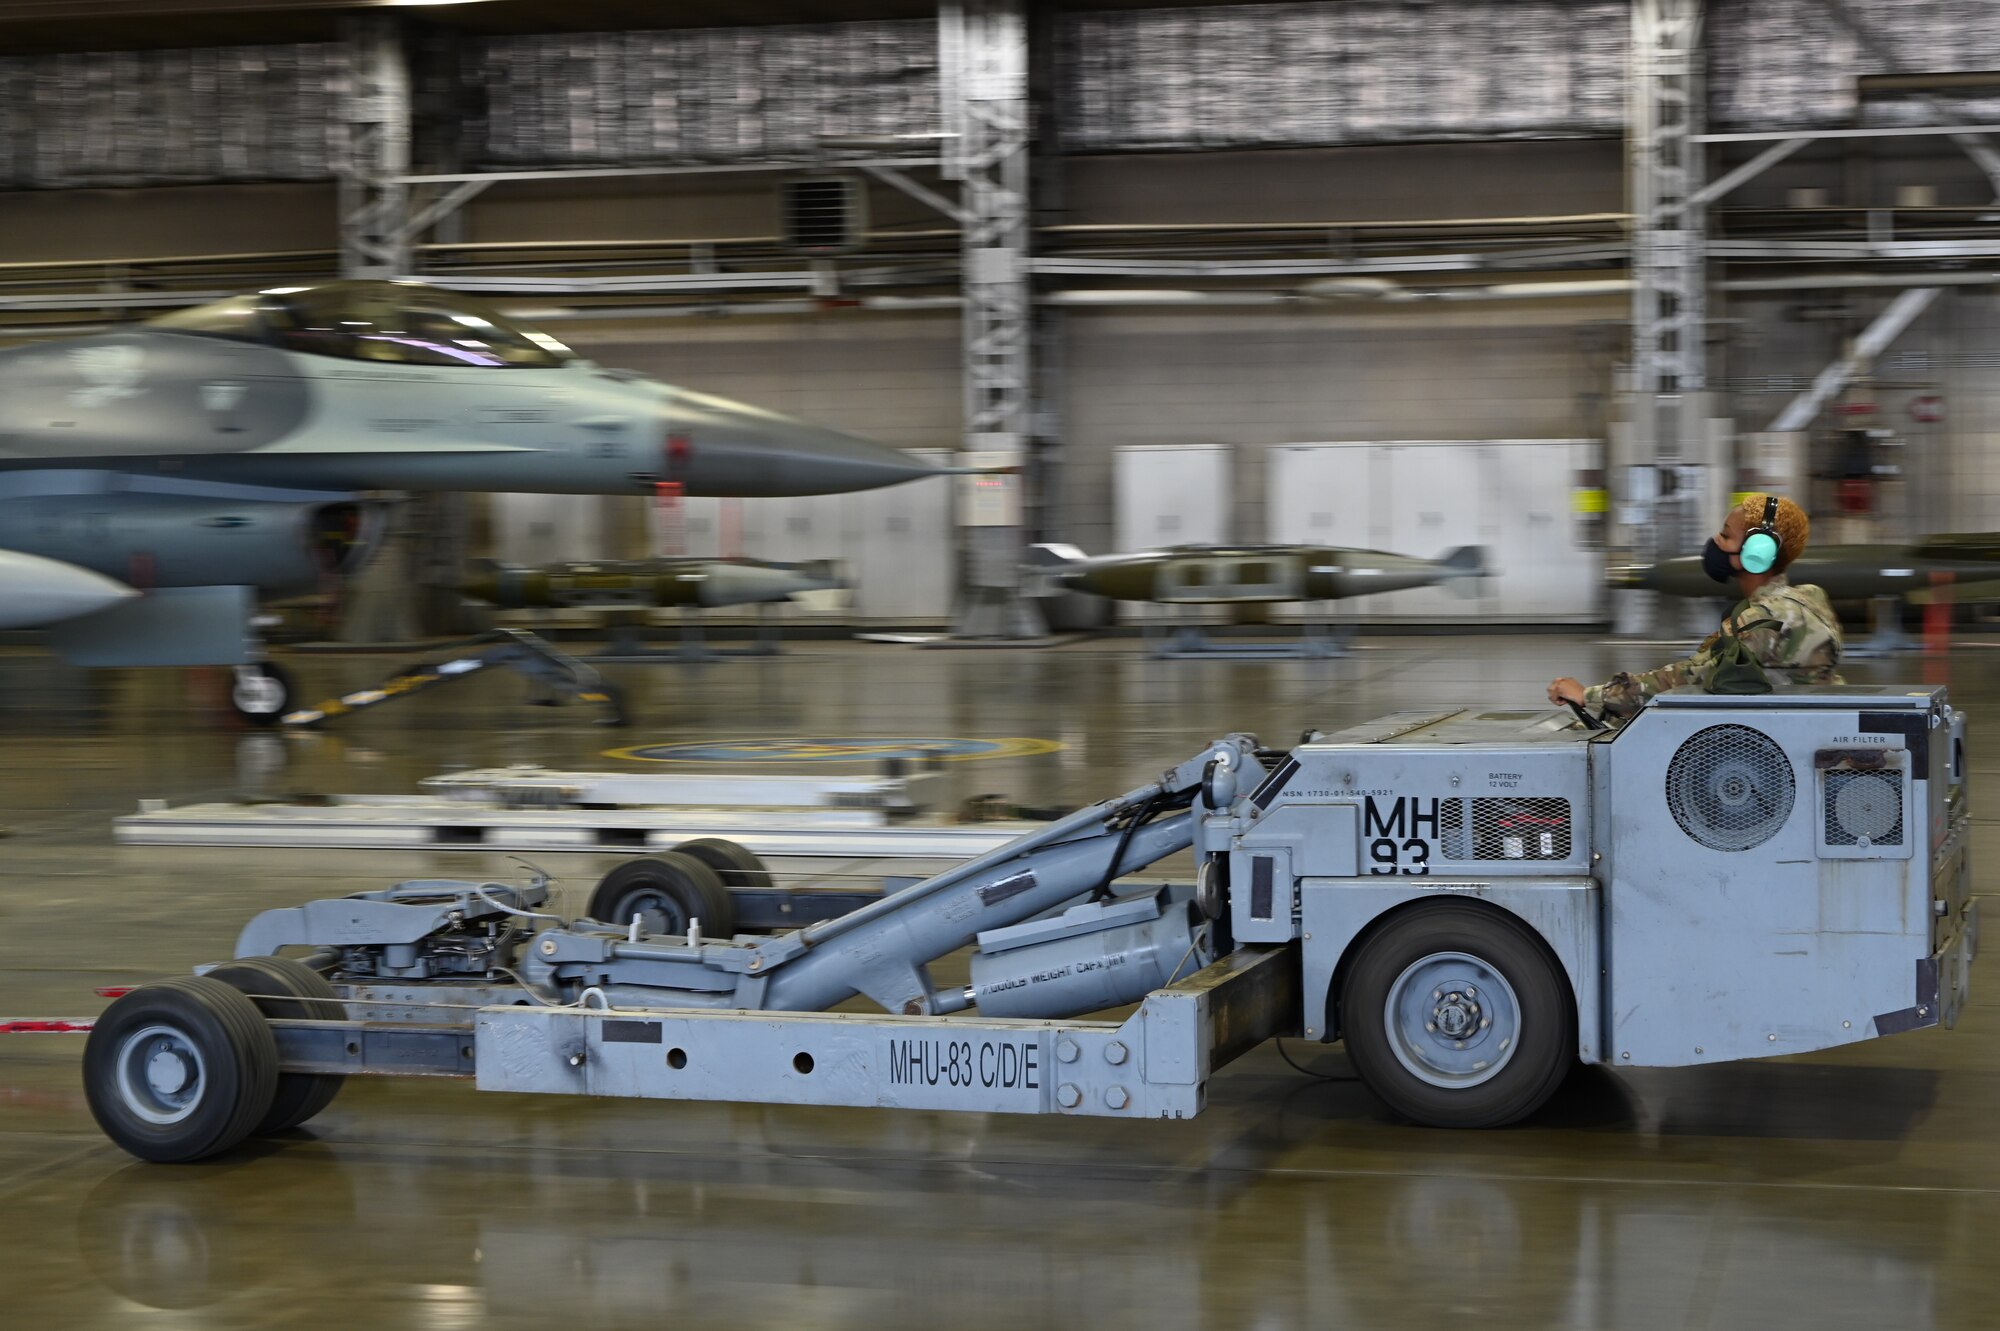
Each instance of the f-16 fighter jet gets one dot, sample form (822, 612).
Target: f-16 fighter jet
(156, 481)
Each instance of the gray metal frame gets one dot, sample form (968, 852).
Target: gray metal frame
(373, 153)
(1669, 253)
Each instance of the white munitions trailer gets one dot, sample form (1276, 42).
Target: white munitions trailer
(1474, 900)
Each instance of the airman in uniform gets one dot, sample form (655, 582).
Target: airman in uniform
(1790, 631)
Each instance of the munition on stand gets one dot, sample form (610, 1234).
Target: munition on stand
(1226, 574)
(646, 583)
(1960, 567)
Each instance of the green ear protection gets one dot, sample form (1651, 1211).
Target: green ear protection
(1763, 545)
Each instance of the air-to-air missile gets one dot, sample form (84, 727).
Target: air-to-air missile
(647, 583)
(1959, 567)
(1234, 574)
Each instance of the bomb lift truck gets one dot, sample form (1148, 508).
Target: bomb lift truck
(1473, 900)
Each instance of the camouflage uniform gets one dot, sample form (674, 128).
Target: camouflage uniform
(1803, 647)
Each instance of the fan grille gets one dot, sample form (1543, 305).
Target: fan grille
(1864, 804)
(1730, 787)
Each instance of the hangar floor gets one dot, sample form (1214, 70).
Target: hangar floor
(1857, 1188)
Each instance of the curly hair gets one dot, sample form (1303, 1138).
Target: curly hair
(1792, 523)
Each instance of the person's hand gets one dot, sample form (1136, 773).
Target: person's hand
(1566, 690)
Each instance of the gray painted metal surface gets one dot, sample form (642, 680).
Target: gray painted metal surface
(1787, 943)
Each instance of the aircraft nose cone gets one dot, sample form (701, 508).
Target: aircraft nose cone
(716, 446)
(35, 592)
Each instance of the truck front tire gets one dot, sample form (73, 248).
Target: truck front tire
(1457, 1016)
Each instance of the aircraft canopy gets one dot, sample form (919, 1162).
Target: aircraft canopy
(401, 323)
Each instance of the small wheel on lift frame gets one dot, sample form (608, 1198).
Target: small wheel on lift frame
(1457, 1016)
(736, 866)
(180, 1070)
(262, 692)
(284, 989)
(665, 891)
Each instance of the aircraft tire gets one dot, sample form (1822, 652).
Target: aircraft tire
(262, 692)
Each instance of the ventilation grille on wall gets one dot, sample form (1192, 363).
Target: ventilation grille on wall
(1863, 808)
(823, 214)
(1532, 828)
(1730, 787)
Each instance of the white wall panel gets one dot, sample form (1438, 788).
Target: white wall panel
(1436, 498)
(1422, 498)
(1545, 574)
(694, 527)
(1171, 495)
(1324, 494)
(898, 545)
(902, 554)
(532, 530)
(1177, 494)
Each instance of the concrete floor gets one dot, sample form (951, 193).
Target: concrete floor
(1857, 1188)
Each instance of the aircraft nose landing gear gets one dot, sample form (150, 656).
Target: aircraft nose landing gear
(261, 692)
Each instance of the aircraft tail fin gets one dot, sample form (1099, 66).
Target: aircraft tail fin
(1463, 565)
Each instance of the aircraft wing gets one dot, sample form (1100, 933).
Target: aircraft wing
(37, 592)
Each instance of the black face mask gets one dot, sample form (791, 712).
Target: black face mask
(1715, 562)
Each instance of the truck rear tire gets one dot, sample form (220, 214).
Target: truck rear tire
(666, 891)
(283, 989)
(1457, 1016)
(180, 1070)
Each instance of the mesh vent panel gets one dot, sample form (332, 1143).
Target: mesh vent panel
(1505, 829)
(1863, 804)
(1520, 829)
(1730, 787)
